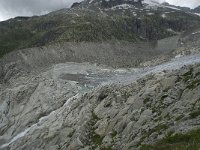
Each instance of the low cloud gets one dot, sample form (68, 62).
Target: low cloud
(186, 3)
(12, 8)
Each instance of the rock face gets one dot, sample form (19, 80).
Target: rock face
(108, 3)
(197, 9)
(52, 110)
(105, 4)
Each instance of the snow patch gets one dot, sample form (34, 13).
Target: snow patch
(91, 1)
(163, 15)
(150, 14)
(172, 7)
(134, 14)
(151, 2)
(122, 6)
(198, 14)
(178, 56)
(170, 30)
(198, 32)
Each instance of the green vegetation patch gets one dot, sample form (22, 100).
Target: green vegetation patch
(195, 114)
(114, 134)
(194, 84)
(188, 75)
(188, 141)
(94, 139)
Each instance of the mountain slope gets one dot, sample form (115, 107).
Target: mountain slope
(93, 23)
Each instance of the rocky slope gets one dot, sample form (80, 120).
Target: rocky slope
(76, 106)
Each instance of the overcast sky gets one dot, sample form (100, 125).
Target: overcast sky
(12, 8)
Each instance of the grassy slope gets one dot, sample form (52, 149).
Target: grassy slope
(188, 141)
